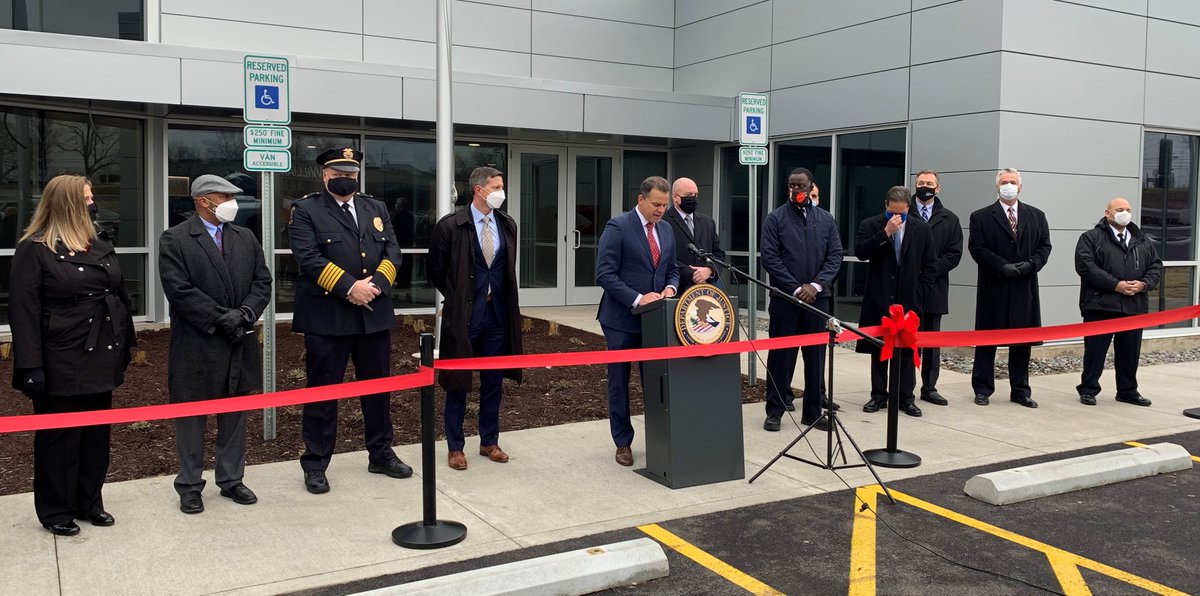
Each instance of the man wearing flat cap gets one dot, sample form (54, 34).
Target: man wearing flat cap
(216, 281)
(348, 257)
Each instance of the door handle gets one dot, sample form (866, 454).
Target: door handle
(578, 238)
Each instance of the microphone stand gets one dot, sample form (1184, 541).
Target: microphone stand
(834, 427)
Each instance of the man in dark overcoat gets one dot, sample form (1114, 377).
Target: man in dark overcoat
(690, 226)
(901, 267)
(1010, 242)
(948, 246)
(473, 263)
(215, 278)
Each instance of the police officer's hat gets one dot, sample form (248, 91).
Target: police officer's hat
(344, 159)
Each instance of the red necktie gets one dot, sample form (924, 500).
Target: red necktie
(653, 245)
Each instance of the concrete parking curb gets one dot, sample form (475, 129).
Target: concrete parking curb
(576, 572)
(1056, 477)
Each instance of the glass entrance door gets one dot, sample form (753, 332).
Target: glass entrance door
(593, 181)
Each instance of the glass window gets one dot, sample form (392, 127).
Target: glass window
(117, 19)
(869, 163)
(640, 165)
(814, 154)
(195, 151)
(1169, 189)
(735, 201)
(1176, 290)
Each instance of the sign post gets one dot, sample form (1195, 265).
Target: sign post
(267, 111)
(752, 135)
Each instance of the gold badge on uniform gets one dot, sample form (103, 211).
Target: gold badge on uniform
(348, 153)
(378, 224)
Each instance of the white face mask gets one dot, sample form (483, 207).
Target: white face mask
(1008, 192)
(1123, 217)
(495, 199)
(227, 211)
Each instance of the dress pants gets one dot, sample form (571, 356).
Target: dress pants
(983, 371)
(230, 448)
(325, 358)
(618, 385)
(69, 464)
(788, 319)
(931, 358)
(486, 340)
(880, 379)
(1127, 349)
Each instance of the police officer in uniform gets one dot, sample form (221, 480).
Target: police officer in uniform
(348, 257)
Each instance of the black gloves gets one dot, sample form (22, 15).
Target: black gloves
(231, 324)
(1025, 268)
(1021, 269)
(32, 381)
(248, 316)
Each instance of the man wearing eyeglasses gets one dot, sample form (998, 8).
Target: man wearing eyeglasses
(692, 227)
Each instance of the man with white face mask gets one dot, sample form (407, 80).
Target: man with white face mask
(216, 281)
(473, 263)
(1010, 241)
(1117, 265)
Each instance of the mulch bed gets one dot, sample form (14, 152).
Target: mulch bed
(547, 397)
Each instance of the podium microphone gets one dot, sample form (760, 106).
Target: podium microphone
(696, 250)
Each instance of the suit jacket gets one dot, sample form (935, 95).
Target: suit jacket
(1006, 303)
(332, 253)
(948, 245)
(705, 238)
(201, 283)
(624, 270)
(453, 248)
(889, 281)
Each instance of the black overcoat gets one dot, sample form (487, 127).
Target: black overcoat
(452, 249)
(948, 245)
(201, 284)
(705, 238)
(1008, 303)
(888, 281)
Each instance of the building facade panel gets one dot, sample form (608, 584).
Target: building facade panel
(660, 13)
(1069, 145)
(878, 45)
(604, 73)
(722, 35)
(401, 52)
(968, 143)
(594, 39)
(793, 19)
(690, 11)
(315, 15)
(656, 118)
(728, 76)
(1171, 48)
(475, 25)
(1075, 32)
(1163, 105)
(412, 19)
(261, 38)
(842, 103)
(956, 29)
(957, 86)
(1073, 89)
(1183, 11)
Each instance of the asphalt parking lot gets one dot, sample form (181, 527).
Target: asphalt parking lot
(1136, 537)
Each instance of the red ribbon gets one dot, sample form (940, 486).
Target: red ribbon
(900, 331)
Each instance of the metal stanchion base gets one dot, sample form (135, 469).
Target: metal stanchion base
(1192, 413)
(892, 459)
(439, 534)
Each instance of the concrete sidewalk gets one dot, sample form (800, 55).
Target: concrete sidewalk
(561, 483)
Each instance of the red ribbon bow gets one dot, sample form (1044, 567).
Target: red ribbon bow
(900, 331)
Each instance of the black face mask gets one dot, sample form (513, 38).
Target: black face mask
(925, 193)
(342, 187)
(93, 211)
(688, 204)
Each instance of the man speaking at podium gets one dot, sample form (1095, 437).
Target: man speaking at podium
(635, 265)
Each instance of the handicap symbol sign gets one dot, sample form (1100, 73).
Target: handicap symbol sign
(753, 124)
(266, 97)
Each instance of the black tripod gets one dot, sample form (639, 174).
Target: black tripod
(834, 429)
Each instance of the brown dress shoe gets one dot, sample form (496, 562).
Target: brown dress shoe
(494, 453)
(625, 456)
(457, 460)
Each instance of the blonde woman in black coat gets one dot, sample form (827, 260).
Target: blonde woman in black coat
(72, 331)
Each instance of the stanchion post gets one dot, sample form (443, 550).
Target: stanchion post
(430, 532)
(891, 457)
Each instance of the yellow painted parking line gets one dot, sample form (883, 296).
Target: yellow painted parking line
(1137, 444)
(1065, 564)
(862, 545)
(710, 562)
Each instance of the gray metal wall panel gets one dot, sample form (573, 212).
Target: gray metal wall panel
(958, 86)
(91, 74)
(1075, 89)
(957, 144)
(729, 33)
(801, 18)
(728, 76)
(259, 38)
(878, 45)
(646, 12)
(593, 39)
(491, 27)
(1051, 28)
(1170, 101)
(196, 88)
(655, 118)
(1137, 7)
(494, 105)
(842, 103)
(490, 61)
(957, 29)
(1184, 11)
(605, 73)
(690, 11)
(410, 19)
(1173, 48)
(419, 101)
(1066, 145)
(383, 50)
(1074, 202)
(308, 14)
(526, 4)
(322, 92)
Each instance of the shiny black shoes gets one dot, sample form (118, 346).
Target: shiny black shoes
(70, 528)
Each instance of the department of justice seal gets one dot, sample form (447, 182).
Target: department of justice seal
(704, 315)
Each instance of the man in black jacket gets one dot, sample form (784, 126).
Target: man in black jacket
(948, 245)
(1117, 266)
(692, 227)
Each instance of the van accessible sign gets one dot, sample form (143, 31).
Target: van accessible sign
(267, 160)
(266, 90)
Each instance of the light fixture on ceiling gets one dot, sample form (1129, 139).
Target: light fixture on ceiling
(310, 146)
(472, 144)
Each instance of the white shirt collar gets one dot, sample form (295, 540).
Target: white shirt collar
(641, 217)
(1006, 207)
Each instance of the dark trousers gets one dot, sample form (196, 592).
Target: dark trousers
(69, 464)
(230, 448)
(618, 385)
(931, 358)
(325, 358)
(1127, 349)
(786, 320)
(486, 340)
(983, 371)
(880, 378)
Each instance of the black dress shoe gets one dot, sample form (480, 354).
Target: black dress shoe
(63, 529)
(822, 423)
(1024, 401)
(825, 404)
(190, 502)
(981, 399)
(771, 423)
(315, 482)
(874, 405)
(934, 398)
(240, 494)
(789, 405)
(1087, 400)
(911, 409)
(102, 519)
(393, 467)
(1136, 400)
